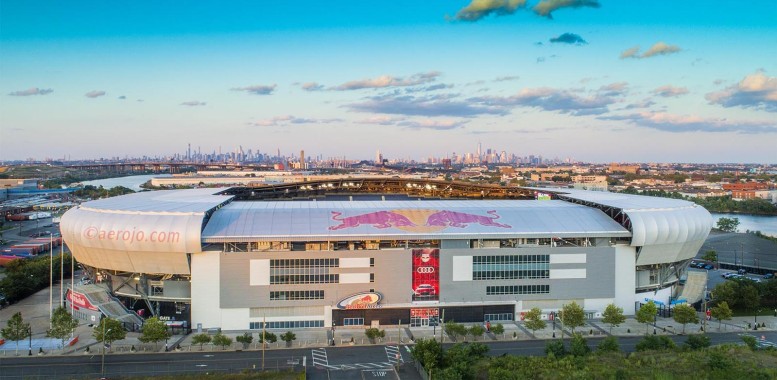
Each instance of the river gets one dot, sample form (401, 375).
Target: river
(766, 224)
(131, 182)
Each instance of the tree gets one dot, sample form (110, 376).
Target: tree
(62, 325)
(498, 329)
(453, 329)
(154, 331)
(201, 339)
(374, 333)
(573, 316)
(476, 331)
(533, 320)
(722, 313)
(288, 337)
(429, 353)
(16, 329)
(710, 255)
(647, 314)
(727, 292)
(267, 338)
(221, 340)
(245, 339)
(556, 348)
(728, 224)
(685, 314)
(613, 316)
(108, 331)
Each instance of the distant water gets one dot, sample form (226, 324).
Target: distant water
(766, 224)
(131, 182)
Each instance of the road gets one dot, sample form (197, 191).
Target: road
(88, 366)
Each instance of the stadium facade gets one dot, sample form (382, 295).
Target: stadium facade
(213, 260)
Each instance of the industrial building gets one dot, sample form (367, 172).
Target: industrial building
(377, 252)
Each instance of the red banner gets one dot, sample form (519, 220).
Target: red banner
(426, 274)
(80, 300)
(424, 313)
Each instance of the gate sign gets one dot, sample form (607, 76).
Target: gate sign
(364, 300)
(79, 300)
(424, 313)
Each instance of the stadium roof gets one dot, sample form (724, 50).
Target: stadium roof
(163, 201)
(401, 220)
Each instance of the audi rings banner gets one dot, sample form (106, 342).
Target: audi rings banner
(426, 274)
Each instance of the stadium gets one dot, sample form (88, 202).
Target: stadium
(375, 252)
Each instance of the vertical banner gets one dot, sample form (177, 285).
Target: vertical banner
(426, 274)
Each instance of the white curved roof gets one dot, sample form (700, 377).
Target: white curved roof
(148, 232)
(679, 227)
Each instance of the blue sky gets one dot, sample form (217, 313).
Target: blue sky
(659, 81)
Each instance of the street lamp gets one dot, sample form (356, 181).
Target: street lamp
(29, 329)
(102, 365)
(51, 277)
(756, 319)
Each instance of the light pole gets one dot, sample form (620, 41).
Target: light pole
(51, 276)
(30, 331)
(102, 365)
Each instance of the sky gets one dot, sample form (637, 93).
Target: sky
(592, 80)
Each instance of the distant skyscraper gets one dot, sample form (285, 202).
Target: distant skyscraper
(302, 159)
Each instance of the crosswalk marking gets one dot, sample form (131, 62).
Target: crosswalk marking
(320, 359)
(394, 355)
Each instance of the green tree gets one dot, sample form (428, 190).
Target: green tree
(454, 329)
(533, 320)
(728, 224)
(108, 331)
(268, 337)
(573, 316)
(727, 292)
(429, 353)
(498, 329)
(16, 329)
(201, 339)
(221, 340)
(749, 299)
(245, 339)
(288, 337)
(613, 316)
(476, 331)
(154, 331)
(62, 325)
(374, 333)
(721, 312)
(647, 314)
(685, 314)
(750, 341)
(710, 255)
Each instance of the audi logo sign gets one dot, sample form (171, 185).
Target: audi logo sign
(425, 270)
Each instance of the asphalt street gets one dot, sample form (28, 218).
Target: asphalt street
(350, 357)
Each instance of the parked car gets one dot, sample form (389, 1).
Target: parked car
(741, 271)
(709, 267)
(769, 276)
(728, 274)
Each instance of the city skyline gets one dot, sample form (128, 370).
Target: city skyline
(600, 81)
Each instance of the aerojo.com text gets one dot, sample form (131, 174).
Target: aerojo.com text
(131, 236)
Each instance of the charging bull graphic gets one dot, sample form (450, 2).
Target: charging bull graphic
(416, 220)
(379, 219)
(460, 220)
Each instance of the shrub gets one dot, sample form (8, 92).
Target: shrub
(750, 341)
(498, 329)
(373, 333)
(579, 346)
(609, 344)
(697, 342)
(246, 338)
(555, 348)
(652, 342)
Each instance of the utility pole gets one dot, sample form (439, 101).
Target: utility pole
(399, 333)
(264, 327)
(61, 274)
(704, 297)
(442, 327)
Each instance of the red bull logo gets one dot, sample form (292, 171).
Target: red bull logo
(417, 220)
